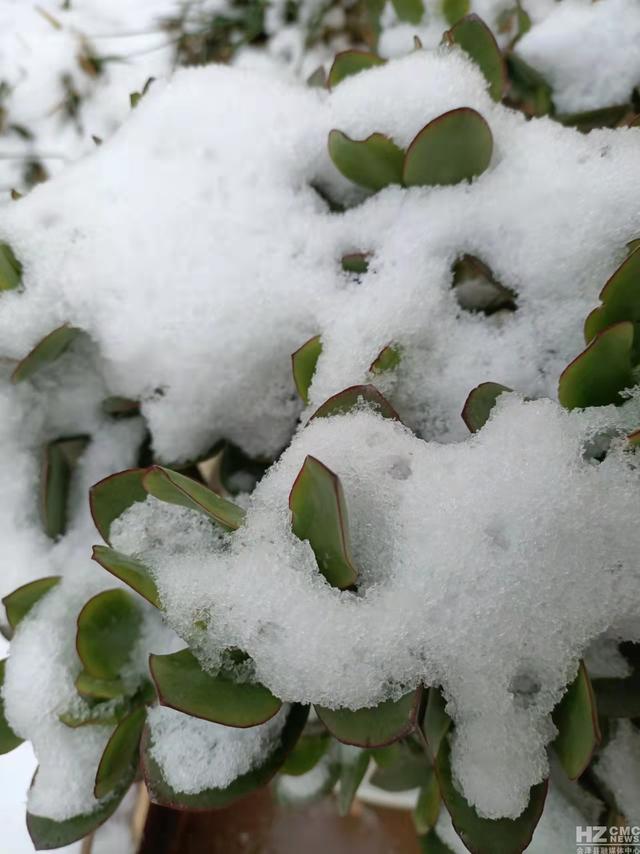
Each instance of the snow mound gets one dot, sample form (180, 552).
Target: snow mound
(486, 567)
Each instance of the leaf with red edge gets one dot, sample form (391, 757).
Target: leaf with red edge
(376, 726)
(576, 718)
(598, 375)
(110, 497)
(355, 262)
(46, 833)
(319, 515)
(128, 569)
(480, 402)
(108, 627)
(176, 488)
(46, 351)
(477, 41)
(60, 458)
(374, 162)
(350, 62)
(620, 298)
(482, 835)
(303, 365)
(162, 793)
(21, 601)
(182, 684)
(387, 359)
(456, 146)
(355, 397)
(120, 757)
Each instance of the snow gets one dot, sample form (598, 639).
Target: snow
(555, 832)
(194, 754)
(198, 262)
(16, 772)
(617, 768)
(468, 603)
(588, 53)
(39, 53)
(146, 300)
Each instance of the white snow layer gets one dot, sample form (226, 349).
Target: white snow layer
(486, 567)
(195, 754)
(53, 103)
(588, 52)
(217, 259)
(194, 252)
(617, 768)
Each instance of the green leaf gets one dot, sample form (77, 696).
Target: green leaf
(427, 809)
(384, 757)
(409, 770)
(110, 497)
(175, 488)
(355, 262)
(21, 601)
(477, 289)
(432, 844)
(453, 10)
(48, 350)
(376, 726)
(478, 405)
(120, 407)
(374, 162)
(387, 359)
(317, 79)
(99, 689)
(10, 269)
(620, 298)
(303, 365)
(161, 793)
(319, 515)
(356, 397)
(128, 569)
(588, 120)
(576, 718)
(108, 713)
(353, 767)
(59, 461)
(436, 723)
(351, 62)
(409, 10)
(183, 685)
(482, 835)
(46, 833)
(528, 89)
(120, 757)
(618, 698)
(476, 39)
(306, 754)
(598, 375)
(456, 146)
(108, 627)
(8, 739)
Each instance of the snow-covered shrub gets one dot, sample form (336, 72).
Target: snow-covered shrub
(67, 68)
(319, 529)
